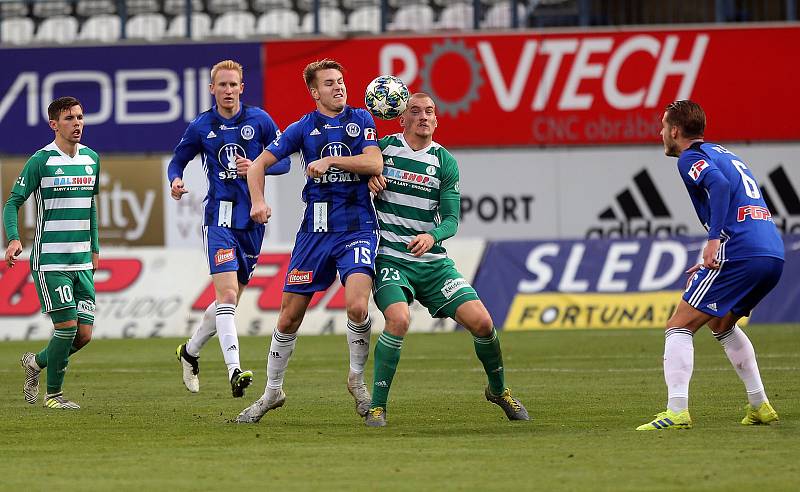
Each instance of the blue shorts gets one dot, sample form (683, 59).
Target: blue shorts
(317, 256)
(736, 287)
(233, 250)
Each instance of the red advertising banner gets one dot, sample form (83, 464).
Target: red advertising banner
(603, 87)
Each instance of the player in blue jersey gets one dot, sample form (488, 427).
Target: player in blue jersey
(742, 262)
(225, 136)
(339, 150)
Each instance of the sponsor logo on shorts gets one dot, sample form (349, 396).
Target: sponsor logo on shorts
(296, 277)
(712, 306)
(453, 285)
(85, 307)
(223, 256)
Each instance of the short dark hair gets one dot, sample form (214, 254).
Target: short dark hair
(688, 116)
(310, 72)
(60, 105)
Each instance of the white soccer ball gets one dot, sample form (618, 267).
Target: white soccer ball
(386, 97)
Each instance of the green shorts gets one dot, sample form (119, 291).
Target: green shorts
(66, 295)
(437, 285)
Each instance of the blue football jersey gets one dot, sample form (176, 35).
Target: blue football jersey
(728, 202)
(339, 201)
(218, 141)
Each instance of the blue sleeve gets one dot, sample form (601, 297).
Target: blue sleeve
(270, 133)
(719, 189)
(187, 149)
(370, 134)
(288, 142)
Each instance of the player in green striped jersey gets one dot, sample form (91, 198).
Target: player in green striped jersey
(418, 204)
(63, 177)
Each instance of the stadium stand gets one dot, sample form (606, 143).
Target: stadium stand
(18, 30)
(104, 28)
(366, 18)
(178, 7)
(417, 18)
(281, 22)
(149, 26)
(498, 16)
(239, 25)
(456, 16)
(266, 18)
(60, 30)
(10, 10)
(88, 8)
(51, 9)
(331, 21)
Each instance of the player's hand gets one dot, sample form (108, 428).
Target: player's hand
(319, 167)
(377, 184)
(12, 252)
(421, 244)
(691, 271)
(710, 254)
(260, 212)
(177, 190)
(95, 261)
(242, 165)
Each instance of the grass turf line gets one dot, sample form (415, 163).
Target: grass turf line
(586, 391)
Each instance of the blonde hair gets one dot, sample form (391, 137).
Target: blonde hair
(227, 65)
(310, 72)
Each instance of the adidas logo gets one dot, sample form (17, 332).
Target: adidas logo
(211, 134)
(382, 384)
(314, 132)
(712, 306)
(59, 171)
(388, 162)
(275, 355)
(232, 347)
(634, 211)
(789, 201)
(359, 342)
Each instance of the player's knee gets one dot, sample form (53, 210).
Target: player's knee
(357, 311)
(81, 339)
(397, 323)
(227, 296)
(482, 326)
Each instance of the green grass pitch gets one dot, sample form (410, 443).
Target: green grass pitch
(139, 429)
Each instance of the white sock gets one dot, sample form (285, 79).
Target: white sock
(280, 350)
(678, 367)
(358, 341)
(743, 357)
(204, 331)
(228, 338)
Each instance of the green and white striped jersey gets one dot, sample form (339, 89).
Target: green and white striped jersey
(64, 189)
(416, 184)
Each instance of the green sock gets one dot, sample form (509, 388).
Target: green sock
(387, 355)
(41, 357)
(489, 353)
(57, 357)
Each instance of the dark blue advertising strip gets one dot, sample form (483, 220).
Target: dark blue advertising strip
(135, 98)
(632, 283)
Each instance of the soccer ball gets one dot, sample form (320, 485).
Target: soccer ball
(386, 97)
